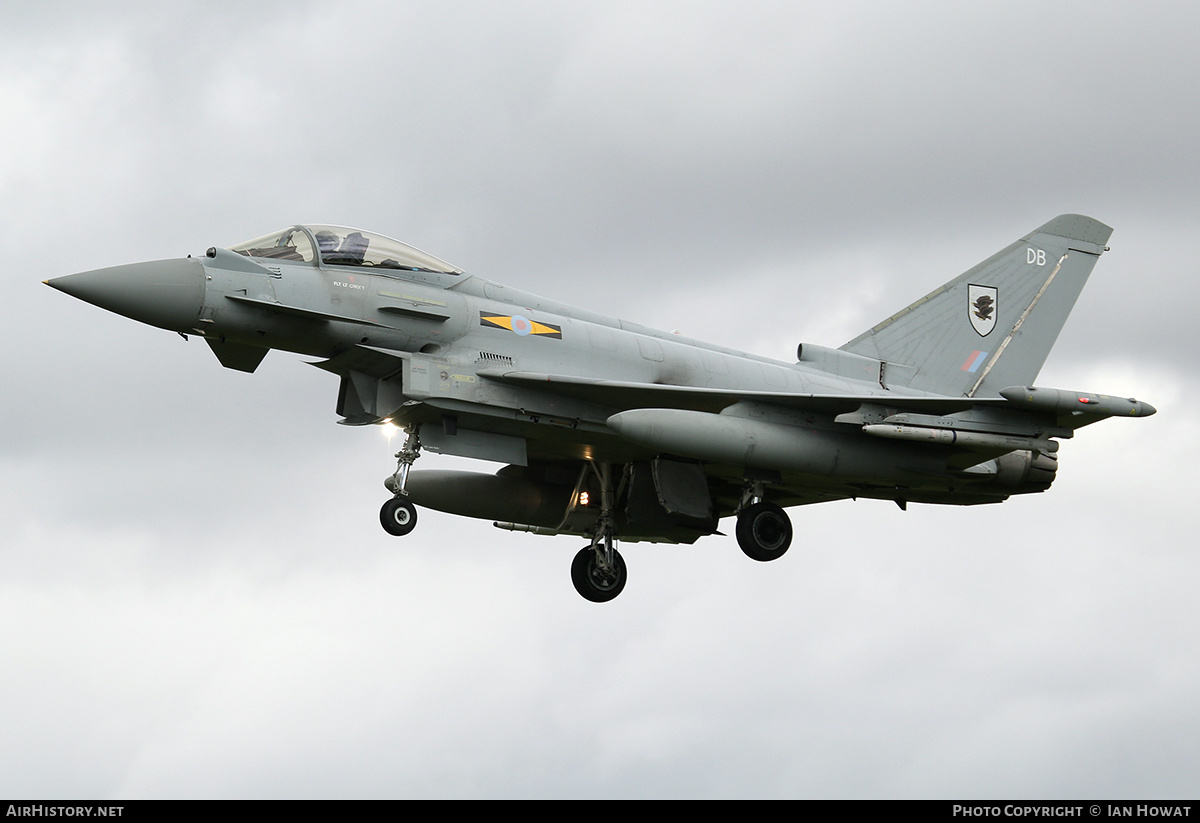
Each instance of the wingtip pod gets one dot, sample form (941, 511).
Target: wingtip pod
(1061, 400)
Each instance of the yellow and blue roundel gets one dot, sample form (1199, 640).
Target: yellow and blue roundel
(517, 324)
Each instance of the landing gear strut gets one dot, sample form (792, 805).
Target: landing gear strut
(598, 570)
(764, 531)
(398, 516)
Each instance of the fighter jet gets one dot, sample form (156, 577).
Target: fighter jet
(610, 431)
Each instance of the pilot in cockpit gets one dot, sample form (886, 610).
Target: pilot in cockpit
(327, 241)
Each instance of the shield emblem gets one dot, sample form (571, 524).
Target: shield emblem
(981, 308)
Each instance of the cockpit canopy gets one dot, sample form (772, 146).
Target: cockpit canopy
(342, 246)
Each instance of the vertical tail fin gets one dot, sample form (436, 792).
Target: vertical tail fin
(993, 326)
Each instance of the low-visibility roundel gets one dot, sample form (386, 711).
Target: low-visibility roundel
(519, 325)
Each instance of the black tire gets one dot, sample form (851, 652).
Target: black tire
(764, 531)
(590, 582)
(398, 517)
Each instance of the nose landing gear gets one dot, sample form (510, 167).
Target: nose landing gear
(399, 516)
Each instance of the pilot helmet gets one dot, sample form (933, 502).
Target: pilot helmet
(327, 240)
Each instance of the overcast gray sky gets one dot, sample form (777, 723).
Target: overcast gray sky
(196, 599)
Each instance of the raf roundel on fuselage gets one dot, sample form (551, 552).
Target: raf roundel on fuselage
(342, 246)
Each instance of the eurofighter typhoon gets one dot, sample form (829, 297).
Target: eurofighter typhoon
(610, 431)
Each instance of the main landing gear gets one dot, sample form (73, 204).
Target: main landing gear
(598, 570)
(764, 531)
(398, 516)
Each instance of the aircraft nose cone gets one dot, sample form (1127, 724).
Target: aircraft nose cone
(164, 293)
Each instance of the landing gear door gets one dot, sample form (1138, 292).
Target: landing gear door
(682, 488)
(669, 492)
